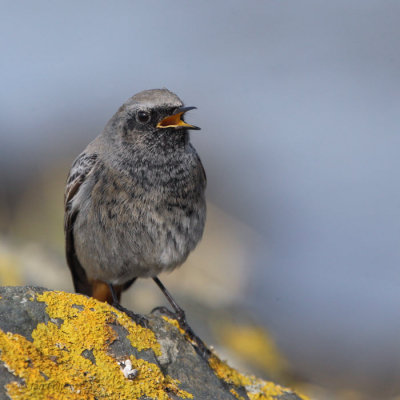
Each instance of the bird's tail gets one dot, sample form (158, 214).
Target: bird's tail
(95, 288)
(101, 290)
(92, 288)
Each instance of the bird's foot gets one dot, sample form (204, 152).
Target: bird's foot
(180, 316)
(164, 310)
(139, 319)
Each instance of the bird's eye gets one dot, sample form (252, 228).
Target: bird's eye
(143, 117)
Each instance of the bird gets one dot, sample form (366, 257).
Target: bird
(135, 199)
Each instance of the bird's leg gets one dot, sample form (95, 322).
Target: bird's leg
(113, 294)
(179, 312)
(181, 317)
(139, 319)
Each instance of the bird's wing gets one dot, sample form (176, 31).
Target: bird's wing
(200, 165)
(203, 173)
(80, 170)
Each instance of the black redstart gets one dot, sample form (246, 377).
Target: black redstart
(134, 200)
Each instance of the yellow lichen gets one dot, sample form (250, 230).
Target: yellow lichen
(255, 345)
(140, 338)
(236, 394)
(53, 365)
(174, 323)
(256, 388)
(267, 391)
(303, 396)
(227, 373)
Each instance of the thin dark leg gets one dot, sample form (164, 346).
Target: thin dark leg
(135, 317)
(178, 310)
(113, 294)
(201, 348)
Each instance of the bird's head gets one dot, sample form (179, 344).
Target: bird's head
(150, 114)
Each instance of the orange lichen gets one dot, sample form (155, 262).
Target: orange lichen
(53, 365)
(256, 388)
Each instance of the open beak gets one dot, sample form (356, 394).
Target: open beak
(175, 120)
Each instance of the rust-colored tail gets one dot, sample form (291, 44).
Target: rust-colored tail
(98, 289)
(101, 291)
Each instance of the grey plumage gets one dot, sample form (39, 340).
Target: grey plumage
(134, 201)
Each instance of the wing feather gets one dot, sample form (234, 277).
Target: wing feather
(80, 170)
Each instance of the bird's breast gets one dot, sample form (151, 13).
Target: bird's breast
(152, 218)
(139, 220)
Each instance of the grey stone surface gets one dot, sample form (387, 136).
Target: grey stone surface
(20, 314)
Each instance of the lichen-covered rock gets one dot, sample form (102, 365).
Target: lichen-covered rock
(57, 345)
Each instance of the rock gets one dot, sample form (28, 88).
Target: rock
(60, 345)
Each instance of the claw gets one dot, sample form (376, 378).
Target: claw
(197, 343)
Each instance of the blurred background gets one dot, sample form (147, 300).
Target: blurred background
(297, 277)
